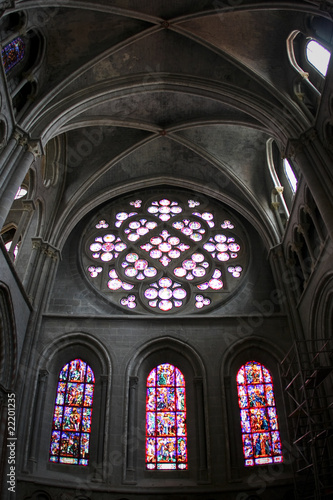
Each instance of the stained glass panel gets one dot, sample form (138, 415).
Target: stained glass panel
(72, 414)
(259, 422)
(166, 433)
(13, 53)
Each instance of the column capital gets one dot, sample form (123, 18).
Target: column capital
(46, 248)
(35, 147)
(42, 375)
(133, 382)
(29, 205)
(279, 189)
(298, 145)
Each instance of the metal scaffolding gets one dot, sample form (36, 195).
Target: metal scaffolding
(307, 375)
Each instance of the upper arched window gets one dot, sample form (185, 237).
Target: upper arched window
(292, 179)
(259, 421)
(70, 440)
(167, 253)
(318, 56)
(22, 191)
(166, 432)
(13, 53)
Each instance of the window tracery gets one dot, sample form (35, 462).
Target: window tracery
(165, 254)
(70, 439)
(259, 421)
(166, 432)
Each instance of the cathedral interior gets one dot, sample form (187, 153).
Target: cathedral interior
(166, 221)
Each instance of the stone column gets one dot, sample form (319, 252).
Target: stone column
(41, 269)
(276, 205)
(35, 424)
(303, 229)
(289, 293)
(131, 434)
(8, 150)
(14, 172)
(296, 247)
(201, 430)
(101, 430)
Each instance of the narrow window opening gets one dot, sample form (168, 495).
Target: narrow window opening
(292, 179)
(318, 56)
(20, 193)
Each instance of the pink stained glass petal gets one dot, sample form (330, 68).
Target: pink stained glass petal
(215, 284)
(114, 284)
(180, 272)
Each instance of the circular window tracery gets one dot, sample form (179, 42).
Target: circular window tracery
(165, 254)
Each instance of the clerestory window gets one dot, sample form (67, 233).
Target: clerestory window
(13, 53)
(318, 56)
(291, 177)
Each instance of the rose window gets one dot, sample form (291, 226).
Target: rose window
(165, 254)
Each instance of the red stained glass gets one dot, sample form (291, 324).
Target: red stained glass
(72, 414)
(259, 422)
(166, 433)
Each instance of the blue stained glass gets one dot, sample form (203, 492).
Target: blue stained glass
(72, 414)
(259, 422)
(166, 431)
(13, 53)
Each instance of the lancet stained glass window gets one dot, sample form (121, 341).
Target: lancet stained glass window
(13, 53)
(166, 432)
(259, 421)
(169, 253)
(70, 440)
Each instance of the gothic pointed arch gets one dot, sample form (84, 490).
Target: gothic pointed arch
(77, 355)
(184, 370)
(73, 411)
(253, 422)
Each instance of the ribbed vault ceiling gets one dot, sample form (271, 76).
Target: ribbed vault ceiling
(182, 92)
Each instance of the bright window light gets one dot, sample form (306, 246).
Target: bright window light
(318, 56)
(290, 175)
(8, 245)
(20, 193)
